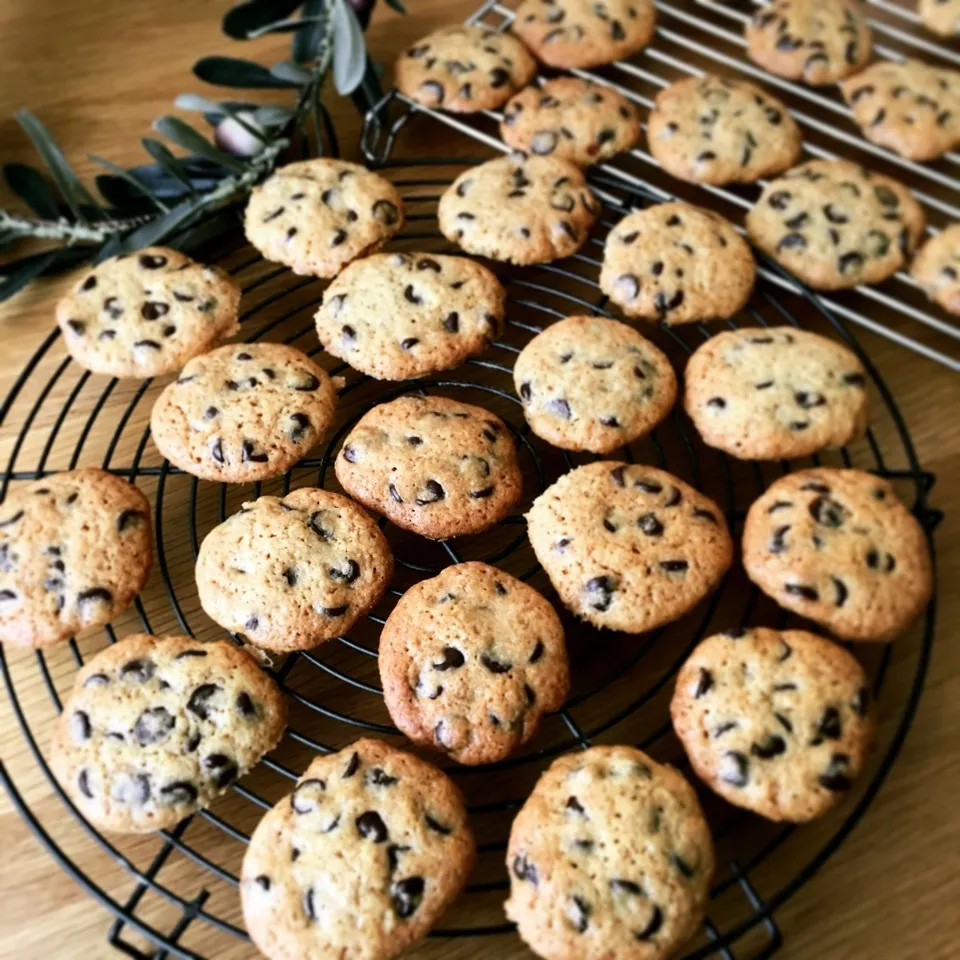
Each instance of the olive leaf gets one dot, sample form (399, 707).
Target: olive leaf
(232, 72)
(73, 191)
(15, 276)
(349, 53)
(306, 43)
(397, 5)
(244, 19)
(129, 178)
(29, 185)
(161, 153)
(157, 229)
(185, 136)
(285, 70)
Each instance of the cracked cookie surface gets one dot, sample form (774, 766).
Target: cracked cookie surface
(677, 263)
(432, 465)
(836, 225)
(769, 393)
(572, 119)
(75, 550)
(464, 69)
(628, 547)
(716, 130)
(778, 722)
(936, 268)
(145, 314)
(588, 383)
(470, 660)
(288, 573)
(910, 107)
(519, 209)
(157, 727)
(360, 861)
(316, 216)
(243, 412)
(581, 885)
(817, 41)
(839, 548)
(395, 316)
(584, 33)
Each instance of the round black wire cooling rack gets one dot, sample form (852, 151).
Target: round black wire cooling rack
(175, 894)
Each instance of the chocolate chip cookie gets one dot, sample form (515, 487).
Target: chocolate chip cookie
(588, 383)
(470, 660)
(817, 41)
(431, 465)
(290, 572)
(571, 118)
(157, 727)
(628, 547)
(395, 316)
(243, 412)
(839, 548)
(677, 263)
(716, 130)
(582, 884)
(584, 33)
(75, 550)
(519, 209)
(316, 216)
(464, 69)
(145, 314)
(773, 393)
(836, 225)
(940, 16)
(936, 268)
(778, 722)
(910, 107)
(359, 861)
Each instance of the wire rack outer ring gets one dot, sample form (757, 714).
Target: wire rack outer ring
(722, 942)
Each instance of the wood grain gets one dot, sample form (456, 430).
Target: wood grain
(97, 74)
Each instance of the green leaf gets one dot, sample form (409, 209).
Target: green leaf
(185, 136)
(285, 70)
(30, 186)
(231, 72)
(243, 19)
(161, 153)
(131, 179)
(274, 115)
(397, 5)
(306, 43)
(160, 228)
(349, 53)
(214, 112)
(15, 276)
(73, 191)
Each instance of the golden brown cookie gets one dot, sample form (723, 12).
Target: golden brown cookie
(75, 550)
(716, 130)
(588, 383)
(519, 209)
(470, 660)
(432, 465)
(243, 412)
(570, 118)
(838, 547)
(464, 69)
(610, 856)
(156, 727)
(316, 216)
(936, 268)
(628, 547)
(941, 16)
(584, 33)
(835, 224)
(677, 263)
(145, 314)
(360, 861)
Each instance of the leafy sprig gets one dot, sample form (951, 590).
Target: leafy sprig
(184, 199)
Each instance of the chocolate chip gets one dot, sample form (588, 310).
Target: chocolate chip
(650, 525)
(682, 865)
(380, 778)
(704, 683)
(301, 800)
(494, 665)
(223, 770)
(827, 512)
(199, 702)
(674, 566)
(483, 493)
(96, 680)
(523, 869)
(301, 424)
(777, 544)
(578, 913)
(407, 895)
(370, 826)
(836, 777)
(83, 782)
(334, 612)
(385, 212)
(734, 769)
(80, 728)
(665, 304)
(352, 765)
(434, 492)
(248, 454)
(841, 591)
(395, 493)
(180, 791)
(348, 575)
(861, 702)
(801, 590)
(600, 592)
(618, 885)
(655, 923)
(153, 310)
(152, 261)
(773, 746)
(436, 826)
(139, 670)
(792, 241)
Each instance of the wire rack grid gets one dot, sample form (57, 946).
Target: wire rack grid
(694, 37)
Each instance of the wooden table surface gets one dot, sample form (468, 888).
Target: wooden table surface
(97, 74)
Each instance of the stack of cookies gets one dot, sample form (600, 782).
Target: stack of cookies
(611, 855)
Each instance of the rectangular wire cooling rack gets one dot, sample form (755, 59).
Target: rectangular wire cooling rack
(703, 36)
